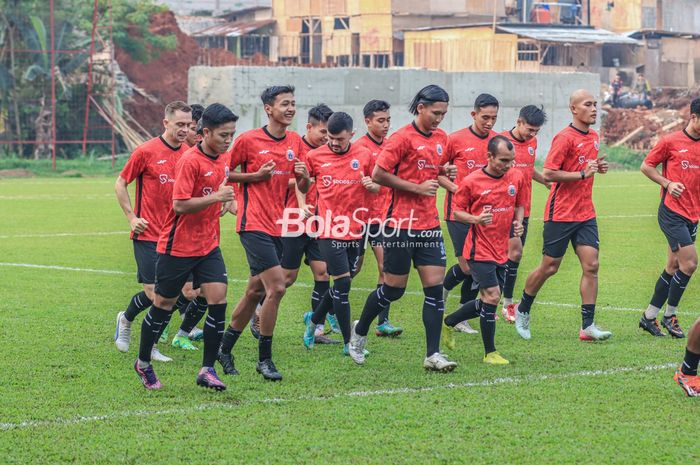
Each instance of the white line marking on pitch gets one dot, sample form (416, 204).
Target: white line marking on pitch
(352, 394)
(298, 284)
(107, 233)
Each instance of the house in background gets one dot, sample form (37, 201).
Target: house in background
(669, 59)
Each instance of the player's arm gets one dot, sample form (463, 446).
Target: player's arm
(262, 174)
(539, 177)
(195, 204)
(673, 188)
(446, 184)
(301, 176)
(551, 175)
(138, 225)
(384, 178)
(463, 217)
(462, 209)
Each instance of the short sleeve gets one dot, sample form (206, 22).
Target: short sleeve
(521, 197)
(557, 153)
(391, 153)
(658, 154)
(239, 154)
(134, 167)
(463, 195)
(185, 179)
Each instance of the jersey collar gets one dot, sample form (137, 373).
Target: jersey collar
(162, 139)
(379, 144)
(477, 135)
(491, 175)
(340, 154)
(515, 138)
(690, 137)
(303, 138)
(585, 133)
(276, 139)
(201, 150)
(424, 134)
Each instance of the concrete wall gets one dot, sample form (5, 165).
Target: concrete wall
(348, 89)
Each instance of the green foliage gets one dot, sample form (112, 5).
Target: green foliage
(623, 157)
(131, 30)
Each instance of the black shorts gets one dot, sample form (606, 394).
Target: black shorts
(558, 234)
(487, 274)
(341, 256)
(172, 272)
(146, 256)
(526, 222)
(373, 235)
(422, 247)
(679, 231)
(294, 248)
(262, 250)
(458, 234)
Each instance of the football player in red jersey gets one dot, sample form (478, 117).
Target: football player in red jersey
(378, 122)
(269, 158)
(152, 166)
(189, 245)
(569, 216)
(687, 375)
(524, 138)
(679, 211)
(341, 169)
(468, 149)
(492, 201)
(409, 164)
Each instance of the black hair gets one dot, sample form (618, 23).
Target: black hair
(496, 142)
(197, 111)
(374, 106)
(695, 107)
(485, 100)
(533, 115)
(215, 115)
(427, 96)
(319, 114)
(269, 95)
(339, 122)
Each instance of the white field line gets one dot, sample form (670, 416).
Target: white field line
(301, 284)
(57, 197)
(77, 420)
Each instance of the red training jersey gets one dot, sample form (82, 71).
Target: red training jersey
(468, 151)
(379, 201)
(194, 234)
(341, 196)
(311, 195)
(571, 151)
(525, 155)
(414, 156)
(261, 204)
(480, 190)
(679, 156)
(152, 165)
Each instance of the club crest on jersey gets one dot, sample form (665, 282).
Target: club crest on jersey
(226, 171)
(355, 164)
(596, 145)
(438, 149)
(511, 190)
(421, 164)
(531, 151)
(581, 159)
(326, 180)
(290, 154)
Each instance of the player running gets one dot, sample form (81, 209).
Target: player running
(189, 244)
(524, 138)
(269, 157)
(409, 164)
(687, 375)
(152, 166)
(378, 122)
(569, 216)
(679, 211)
(341, 169)
(468, 149)
(491, 200)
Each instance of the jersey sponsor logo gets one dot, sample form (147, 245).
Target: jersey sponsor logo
(471, 164)
(487, 191)
(208, 173)
(164, 178)
(355, 164)
(280, 172)
(438, 148)
(161, 162)
(327, 180)
(511, 190)
(686, 165)
(531, 151)
(207, 191)
(581, 159)
(421, 164)
(290, 154)
(325, 165)
(682, 150)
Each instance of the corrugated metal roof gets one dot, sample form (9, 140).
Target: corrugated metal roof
(234, 29)
(583, 35)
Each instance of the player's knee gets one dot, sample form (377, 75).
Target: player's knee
(342, 285)
(550, 268)
(491, 295)
(590, 267)
(217, 300)
(392, 294)
(276, 290)
(190, 294)
(689, 266)
(150, 292)
(255, 294)
(516, 255)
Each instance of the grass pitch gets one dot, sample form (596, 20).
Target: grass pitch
(68, 396)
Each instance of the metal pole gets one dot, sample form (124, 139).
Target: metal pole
(89, 83)
(53, 85)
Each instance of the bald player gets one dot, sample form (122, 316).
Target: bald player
(569, 215)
